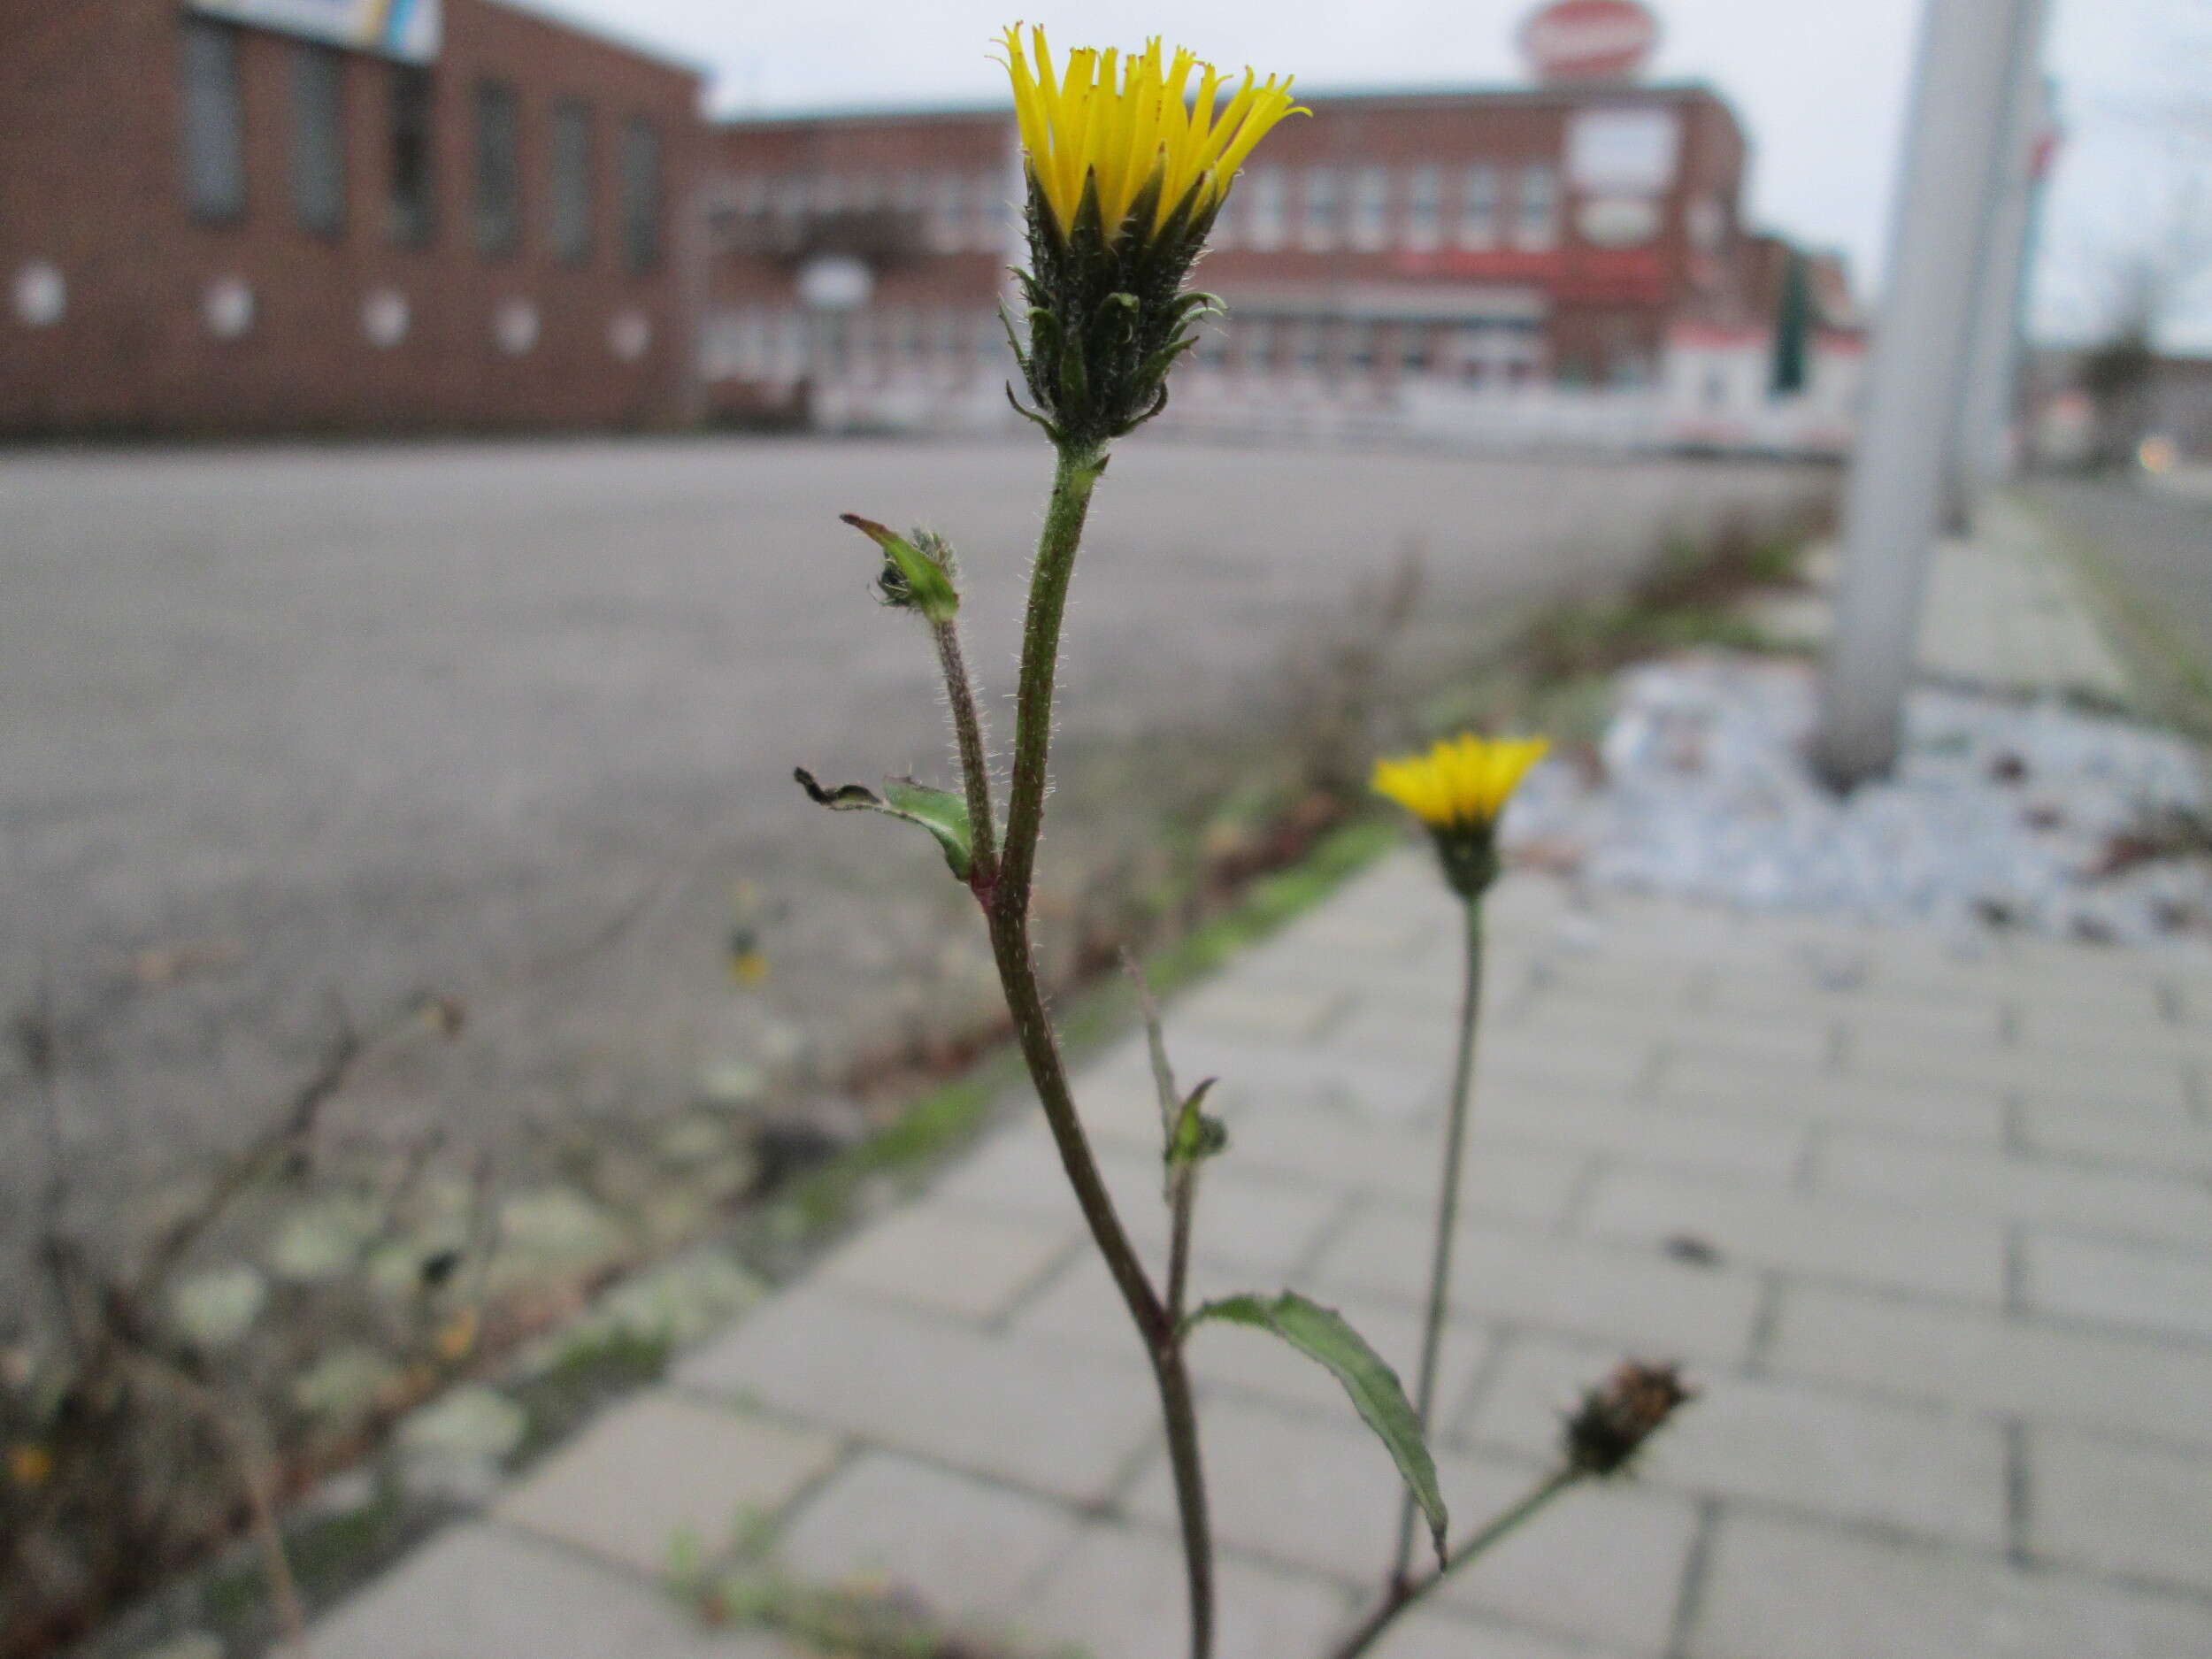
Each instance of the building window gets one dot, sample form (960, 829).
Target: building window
(498, 168)
(1536, 224)
(948, 195)
(987, 198)
(1256, 344)
(1370, 208)
(1229, 220)
(1318, 230)
(1415, 354)
(214, 123)
(1310, 348)
(1265, 218)
(568, 202)
(1425, 209)
(413, 199)
(1478, 207)
(640, 195)
(1360, 355)
(318, 139)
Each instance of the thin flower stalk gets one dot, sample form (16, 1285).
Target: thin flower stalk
(1457, 790)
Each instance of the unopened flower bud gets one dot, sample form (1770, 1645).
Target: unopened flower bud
(916, 575)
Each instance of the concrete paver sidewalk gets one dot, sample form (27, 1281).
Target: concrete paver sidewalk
(1934, 1234)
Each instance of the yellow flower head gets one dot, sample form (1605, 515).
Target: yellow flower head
(30, 1466)
(1126, 119)
(1463, 783)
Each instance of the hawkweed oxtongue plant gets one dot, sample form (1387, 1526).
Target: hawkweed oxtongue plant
(1128, 160)
(1457, 791)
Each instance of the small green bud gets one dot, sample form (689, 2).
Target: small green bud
(915, 577)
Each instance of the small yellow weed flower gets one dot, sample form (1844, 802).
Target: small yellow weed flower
(1126, 120)
(1458, 789)
(30, 1466)
(1128, 158)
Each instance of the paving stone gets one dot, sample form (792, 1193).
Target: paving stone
(1937, 1473)
(1082, 1306)
(2166, 1141)
(661, 1467)
(1584, 1059)
(1348, 1155)
(2091, 1379)
(1250, 1214)
(1964, 1018)
(1604, 1564)
(1939, 1110)
(2121, 1507)
(951, 1259)
(1778, 1589)
(1326, 1497)
(1119, 1594)
(964, 1547)
(1945, 1180)
(1804, 1041)
(1285, 1013)
(1867, 1244)
(1439, 1634)
(1022, 1410)
(480, 1591)
(1881, 1059)
(1725, 1141)
(2112, 1283)
(1569, 1286)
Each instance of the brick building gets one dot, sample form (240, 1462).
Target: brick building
(287, 215)
(300, 215)
(1563, 261)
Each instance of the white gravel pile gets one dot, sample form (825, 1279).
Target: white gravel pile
(1999, 815)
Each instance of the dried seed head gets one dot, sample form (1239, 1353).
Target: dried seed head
(1616, 1418)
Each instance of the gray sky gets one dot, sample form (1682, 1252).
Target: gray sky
(1820, 87)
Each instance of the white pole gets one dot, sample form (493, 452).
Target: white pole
(1985, 452)
(1953, 146)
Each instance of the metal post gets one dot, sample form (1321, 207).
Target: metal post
(1985, 452)
(1953, 146)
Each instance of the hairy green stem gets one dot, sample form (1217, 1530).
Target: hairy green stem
(1073, 481)
(1405, 1592)
(975, 767)
(1447, 1219)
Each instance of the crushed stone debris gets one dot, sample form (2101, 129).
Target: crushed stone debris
(2034, 818)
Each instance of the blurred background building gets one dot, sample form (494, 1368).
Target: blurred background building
(1566, 262)
(231, 216)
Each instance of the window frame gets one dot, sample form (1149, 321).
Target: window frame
(1369, 230)
(1481, 191)
(411, 156)
(1320, 205)
(318, 70)
(1531, 233)
(572, 192)
(212, 115)
(642, 196)
(495, 108)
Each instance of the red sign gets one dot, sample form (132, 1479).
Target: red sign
(1589, 40)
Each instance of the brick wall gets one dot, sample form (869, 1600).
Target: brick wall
(91, 186)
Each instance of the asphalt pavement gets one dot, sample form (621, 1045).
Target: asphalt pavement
(286, 730)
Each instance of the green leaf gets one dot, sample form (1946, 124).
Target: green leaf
(940, 813)
(1321, 1334)
(919, 578)
(1196, 1136)
(943, 815)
